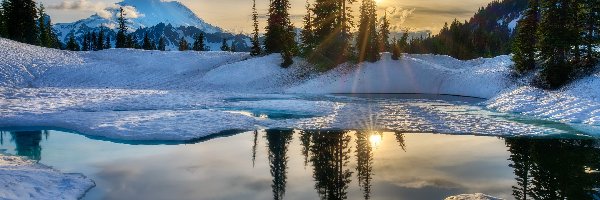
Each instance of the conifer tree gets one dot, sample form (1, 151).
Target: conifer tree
(199, 42)
(3, 6)
(255, 49)
(107, 44)
(44, 31)
(85, 44)
(183, 44)
(395, 49)
(384, 33)
(100, 40)
(92, 40)
(233, 46)
(72, 44)
(524, 46)
(332, 22)
(224, 46)
(121, 41)
(147, 43)
(368, 42)
(279, 32)
(162, 44)
(307, 35)
(592, 30)
(21, 21)
(558, 34)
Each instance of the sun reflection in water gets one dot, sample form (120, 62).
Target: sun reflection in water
(375, 139)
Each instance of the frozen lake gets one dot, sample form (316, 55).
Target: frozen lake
(388, 147)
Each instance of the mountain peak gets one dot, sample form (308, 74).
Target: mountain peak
(141, 14)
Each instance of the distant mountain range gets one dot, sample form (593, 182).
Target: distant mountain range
(170, 19)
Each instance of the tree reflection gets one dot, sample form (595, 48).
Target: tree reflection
(364, 162)
(305, 138)
(255, 143)
(400, 140)
(330, 155)
(277, 143)
(554, 168)
(28, 144)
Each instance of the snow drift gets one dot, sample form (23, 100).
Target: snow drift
(25, 179)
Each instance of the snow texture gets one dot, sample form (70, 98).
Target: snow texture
(26, 179)
(153, 95)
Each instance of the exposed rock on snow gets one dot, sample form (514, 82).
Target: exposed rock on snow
(25, 179)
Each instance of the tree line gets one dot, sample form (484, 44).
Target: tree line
(24, 21)
(558, 39)
(326, 39)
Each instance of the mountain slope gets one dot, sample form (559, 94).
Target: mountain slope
(141, 14)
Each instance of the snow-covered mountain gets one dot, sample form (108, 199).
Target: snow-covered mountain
(140, 14)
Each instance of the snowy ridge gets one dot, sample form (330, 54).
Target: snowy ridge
(25, 179)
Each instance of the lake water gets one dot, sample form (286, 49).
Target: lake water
(342, 164)
(499, 154)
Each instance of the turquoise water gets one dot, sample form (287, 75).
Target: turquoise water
(304, 164)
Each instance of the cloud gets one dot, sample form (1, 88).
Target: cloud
(103, 10)
(79, 5)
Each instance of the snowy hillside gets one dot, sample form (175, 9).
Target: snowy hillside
(152, 95)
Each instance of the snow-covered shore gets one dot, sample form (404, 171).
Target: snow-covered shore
(152, 95)
(25, 179)
(140, 95)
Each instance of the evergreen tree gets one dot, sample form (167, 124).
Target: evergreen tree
(255, 49)
(233, 47)
(107, 44)
(85, 44)
(224, 46)
(3, 12)
(331, 27)
(147, 43)
(199, 43)
(21, 21)
(524, 46)
(72, 44)
(592, 30)
(384, 33)
(44, 31)
(92, 40)
(279, 32)
(307, 35)
(395, 49)
(162, 45)
(183, 44)
(558, 34)
(100, 40)
(121, 41)
(368, 42)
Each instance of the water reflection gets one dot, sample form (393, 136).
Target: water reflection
(555, 168)
(27, 143)
(277, 143)
(330, 155)
(330, 164)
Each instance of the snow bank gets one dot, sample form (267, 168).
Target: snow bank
(578, 102)
(476, 196)
(25, 179)
(416, 74)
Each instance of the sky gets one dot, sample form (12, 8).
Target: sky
(234, 15)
